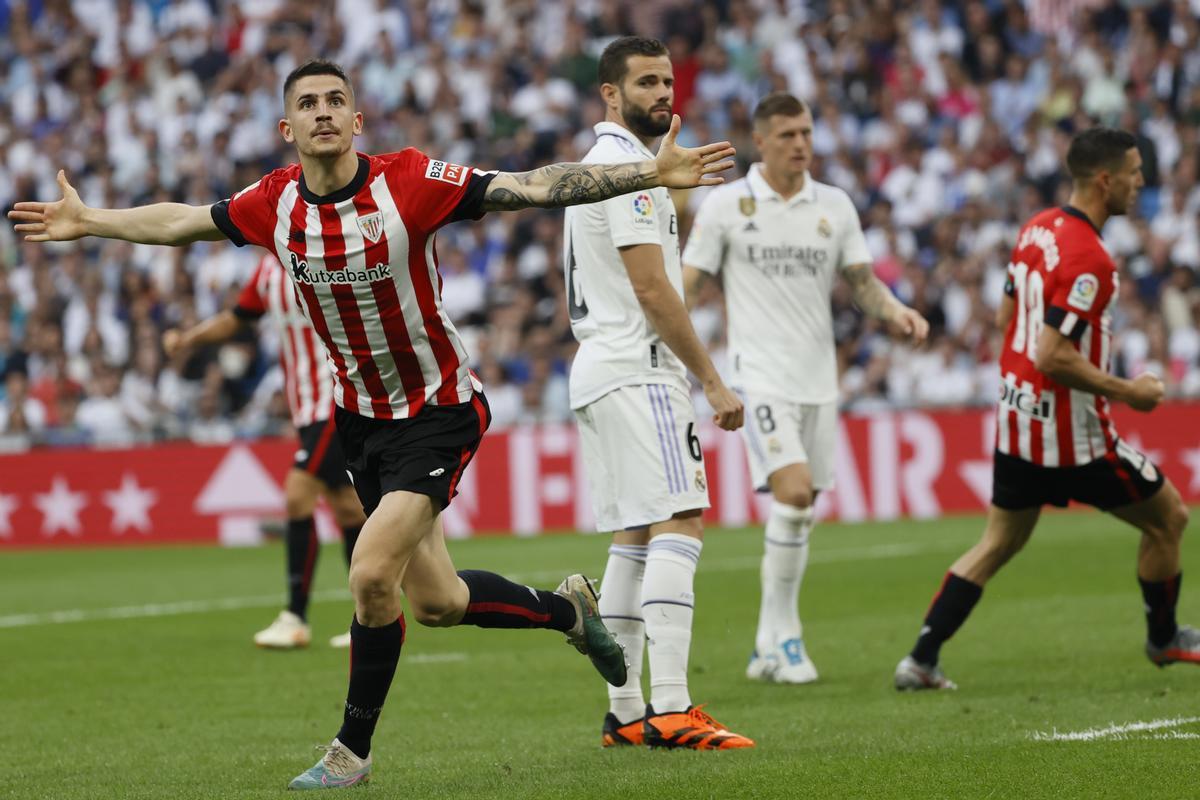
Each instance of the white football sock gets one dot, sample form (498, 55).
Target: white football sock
(785, 556)
(667, 604)
(621, 608)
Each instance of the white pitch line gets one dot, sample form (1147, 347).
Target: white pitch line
(1114, 731)
(739, 564)
(157, 609)
(748, 563)
(432, 658)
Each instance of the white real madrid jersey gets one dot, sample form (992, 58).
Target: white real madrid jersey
(617, 344)
(778, 258)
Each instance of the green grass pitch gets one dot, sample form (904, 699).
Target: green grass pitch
(108, 701)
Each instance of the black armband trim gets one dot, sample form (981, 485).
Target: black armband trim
(246, 314)
(220, 217)
(471, 204)
(1066, 322)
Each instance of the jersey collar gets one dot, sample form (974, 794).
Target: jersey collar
(1075, 212)
(621, 132)
(345, 193)
(760, 188)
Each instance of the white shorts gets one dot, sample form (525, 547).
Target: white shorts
(778, 433)
(642, 456)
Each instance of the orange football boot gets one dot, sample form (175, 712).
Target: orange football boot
(616, 735)
(691, 729)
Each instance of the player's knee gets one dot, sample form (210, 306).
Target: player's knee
(298, 501)
(348, 515)
(797, 496)
(1176, 521)
(370, 584)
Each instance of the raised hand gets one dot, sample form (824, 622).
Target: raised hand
(60, 221)
(685, 167)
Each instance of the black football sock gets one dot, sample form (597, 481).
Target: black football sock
(349, 537)
(302, 550)
(1161, 597)
(374, 653)
(497, 602)
(947, 612)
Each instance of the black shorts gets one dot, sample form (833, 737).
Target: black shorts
(320, 454)
(425, 454)
(1122, 477)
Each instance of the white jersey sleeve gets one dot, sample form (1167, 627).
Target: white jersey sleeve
(706, 244)
(632, 219)
(854, 248)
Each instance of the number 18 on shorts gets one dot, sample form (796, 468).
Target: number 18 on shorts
(642, 456)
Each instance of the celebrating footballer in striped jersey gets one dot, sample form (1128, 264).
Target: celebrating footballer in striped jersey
(319, 467)
(356, 234)
(1055, 438)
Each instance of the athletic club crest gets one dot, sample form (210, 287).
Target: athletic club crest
(371, 226)
(746, 205)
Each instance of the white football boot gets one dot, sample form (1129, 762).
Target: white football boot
(287, 632)
(341, 641)
(339, 768)
(913, 676)
(785, 663)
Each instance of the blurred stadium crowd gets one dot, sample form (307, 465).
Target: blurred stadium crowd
(946, 121)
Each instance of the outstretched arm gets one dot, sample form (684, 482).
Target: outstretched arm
(218, 328)
(69, 219)
(570, 184)
(876, 300)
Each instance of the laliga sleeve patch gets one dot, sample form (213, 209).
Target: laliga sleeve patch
(1083, 292)
(643, 209)
(448, 173)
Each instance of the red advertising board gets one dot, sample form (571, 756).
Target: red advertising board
(524, 481)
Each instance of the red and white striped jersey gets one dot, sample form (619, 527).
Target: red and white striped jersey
(364, 267)
(1060, 275)
(307, 379)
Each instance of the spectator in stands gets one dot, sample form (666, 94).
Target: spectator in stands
(945, 122)
(20, 413)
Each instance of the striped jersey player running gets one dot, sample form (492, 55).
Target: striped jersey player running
(1055, 438)
(356, 234)
(319, 466)
(777, 239)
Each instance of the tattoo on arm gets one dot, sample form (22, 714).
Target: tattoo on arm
(870, 293)
(566, 185)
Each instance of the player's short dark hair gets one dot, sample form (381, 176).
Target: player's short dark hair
(316, 66)
(614, 61)
(779, 104)
(1096, 149)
